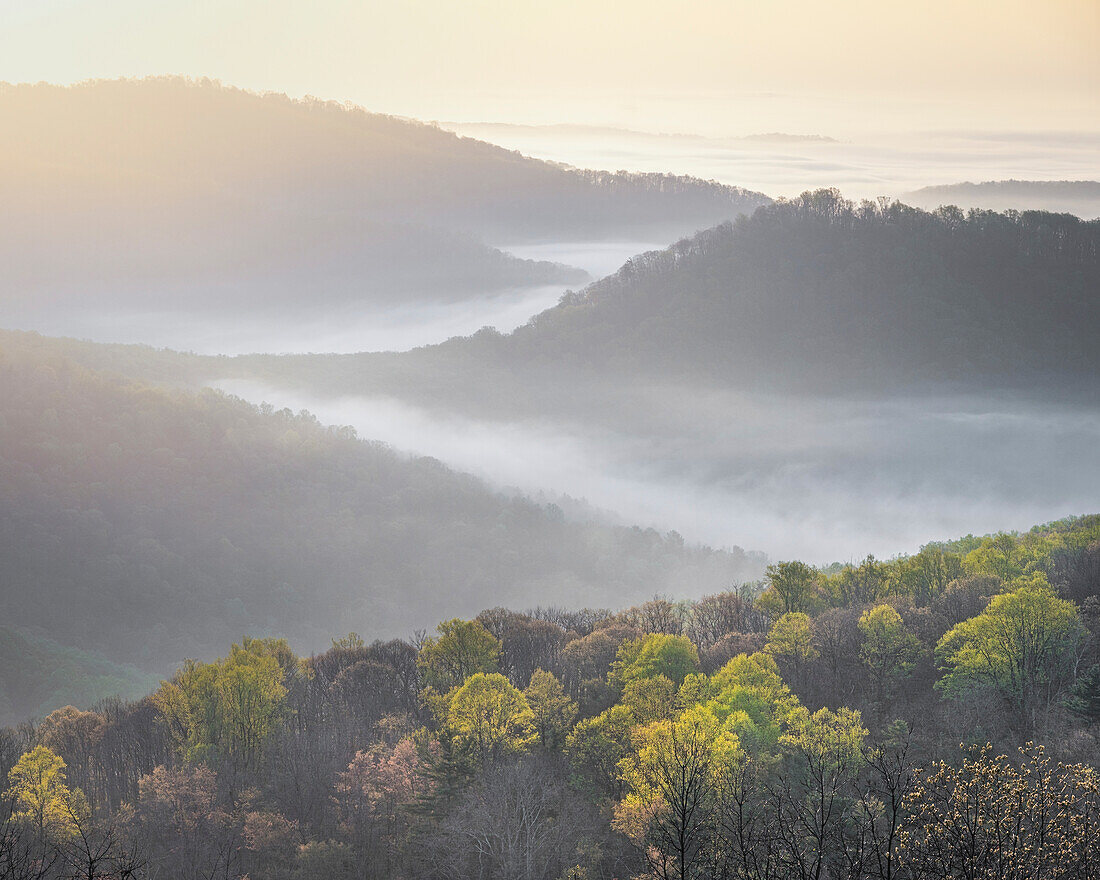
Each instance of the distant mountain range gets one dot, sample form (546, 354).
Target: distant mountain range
(188, 194)
(1080, 197)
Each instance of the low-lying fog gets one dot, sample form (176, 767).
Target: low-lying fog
(280, 330)
(865, 165)
(822, 480)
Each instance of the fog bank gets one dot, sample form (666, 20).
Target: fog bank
(817, 479)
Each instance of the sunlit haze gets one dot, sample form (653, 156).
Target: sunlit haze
(716, 67)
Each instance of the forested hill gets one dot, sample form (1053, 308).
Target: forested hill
(812, 295)
(819, 292)
(151, 525)
(175, 140)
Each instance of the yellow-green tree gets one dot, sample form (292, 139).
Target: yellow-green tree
(597, 745)
(674, 657)
(552, 710)
(822, 752)
(1024, 646)
(651, 699)
(792, 586)
(791, 638)
(460, 649)
(226, 710)
(889, 650)
(676, 776)
(490, 718)
(751, 697)
(41, 797)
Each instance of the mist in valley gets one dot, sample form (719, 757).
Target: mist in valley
(818, 479)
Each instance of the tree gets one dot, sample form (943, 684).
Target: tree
(182, 827)
(225, 711)
(551, 709)
(1024, 646)
(994, 817)
(822, 751)
(889, 650)
(462, 648)
(41, 798)
(655, 654)
(676, 775)
(490, 718)
(597, 745)
(651, 699)
(792, 586)
(751, 696)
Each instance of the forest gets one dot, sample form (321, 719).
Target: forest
(141, 525)
(929, 716)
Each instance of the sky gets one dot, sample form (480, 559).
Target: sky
(718, 67)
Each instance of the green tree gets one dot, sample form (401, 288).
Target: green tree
(676, 776)
(791, 638)
(597, 745)
(752, 698)
(674, 657)
(889, 650)
(551, 708)
(490, 718)
(1025, 646)
(461, 649)
(822, 751)
(41, 798)
(650, 699)
(227, 710)
(792, 586)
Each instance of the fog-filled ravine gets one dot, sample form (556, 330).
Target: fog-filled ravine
(396, 325)
(822, 479)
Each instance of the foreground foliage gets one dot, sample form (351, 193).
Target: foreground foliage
(742, 736)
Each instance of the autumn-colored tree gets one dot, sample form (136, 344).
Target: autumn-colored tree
(373, 797)
(184, 830)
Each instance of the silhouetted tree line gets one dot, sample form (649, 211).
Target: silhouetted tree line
(864, 721)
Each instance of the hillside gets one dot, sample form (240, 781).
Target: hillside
(150, 525)
(171, 194)
(874, 703)
(1080, 197)
(814, 295)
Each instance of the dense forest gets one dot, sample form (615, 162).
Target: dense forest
(146, 525)
(930, 716)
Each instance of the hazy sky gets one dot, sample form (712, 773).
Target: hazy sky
(712, 66)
